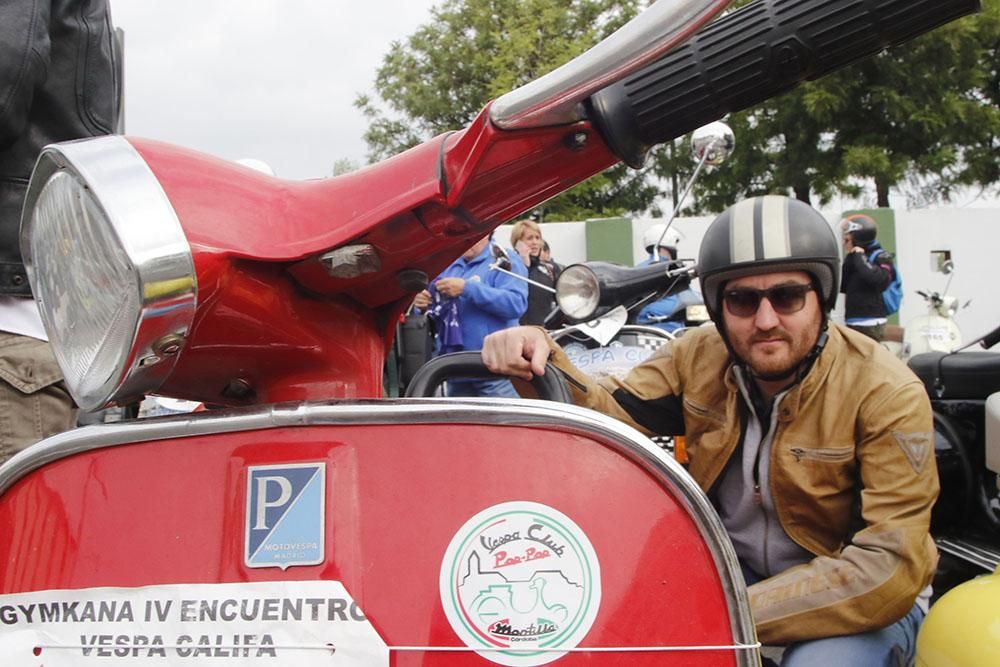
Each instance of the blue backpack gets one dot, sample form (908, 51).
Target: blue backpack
(893, 294)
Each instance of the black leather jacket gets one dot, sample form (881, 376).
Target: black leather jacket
(60, 79)
(862, 282)
(540, 302)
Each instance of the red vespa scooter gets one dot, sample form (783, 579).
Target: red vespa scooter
(311, 521)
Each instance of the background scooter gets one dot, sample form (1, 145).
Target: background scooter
(936, 330)
(608, 340)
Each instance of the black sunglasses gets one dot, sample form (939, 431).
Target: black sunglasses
(785, 299)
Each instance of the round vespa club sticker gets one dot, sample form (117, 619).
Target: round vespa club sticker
(521, 581)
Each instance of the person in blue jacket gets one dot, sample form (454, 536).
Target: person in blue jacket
(666, 313)
(470, 300)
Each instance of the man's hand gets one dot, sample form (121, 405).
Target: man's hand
(452, 287)
(517, 352)
(422, 299)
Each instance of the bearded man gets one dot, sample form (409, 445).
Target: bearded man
(813, 443)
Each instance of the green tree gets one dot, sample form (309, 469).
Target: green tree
(923, 111)
(344, 165)
(473, 51)
(922, 117)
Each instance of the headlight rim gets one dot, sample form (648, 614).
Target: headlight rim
(564, 291)
(143, 222)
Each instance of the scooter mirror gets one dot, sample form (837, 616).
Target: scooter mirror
(714, 142)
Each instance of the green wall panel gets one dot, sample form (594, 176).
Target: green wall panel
(610, 240)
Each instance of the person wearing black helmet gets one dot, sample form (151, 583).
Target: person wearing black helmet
(813, 443)
(868, 271)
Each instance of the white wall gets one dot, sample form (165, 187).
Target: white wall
(973, 237)
(567, 240)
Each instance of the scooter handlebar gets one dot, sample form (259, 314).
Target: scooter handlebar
(764, 49)
(990, 339)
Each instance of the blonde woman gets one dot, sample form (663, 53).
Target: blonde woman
(526, 239)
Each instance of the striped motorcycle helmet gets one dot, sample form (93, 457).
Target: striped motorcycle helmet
(764, 235)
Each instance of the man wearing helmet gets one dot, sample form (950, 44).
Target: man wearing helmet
(666, 313)
(813, 443)
(867, 272)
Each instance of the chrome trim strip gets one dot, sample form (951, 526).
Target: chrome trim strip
(150, 233)
(625, 440)
(979, 555)
(554, 98)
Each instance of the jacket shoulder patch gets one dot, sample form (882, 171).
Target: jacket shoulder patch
(916, 447)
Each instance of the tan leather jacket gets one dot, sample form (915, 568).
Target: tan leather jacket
(857, 429)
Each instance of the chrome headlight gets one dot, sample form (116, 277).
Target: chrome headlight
(110, 268)
(578, 291)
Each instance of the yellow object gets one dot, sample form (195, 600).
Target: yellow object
(963, 627)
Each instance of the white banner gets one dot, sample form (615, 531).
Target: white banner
(266, 623)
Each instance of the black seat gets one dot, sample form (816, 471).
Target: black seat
(966, 375)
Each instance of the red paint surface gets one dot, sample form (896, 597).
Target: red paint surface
(269, 314)
(174, 511)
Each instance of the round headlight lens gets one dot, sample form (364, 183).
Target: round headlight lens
(110, 267)
(578, 292)
(85, 284)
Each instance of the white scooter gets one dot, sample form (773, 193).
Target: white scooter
(936, 331)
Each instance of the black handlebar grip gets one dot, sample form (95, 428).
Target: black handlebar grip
(550, 387)
(764, 49)
(990, 339)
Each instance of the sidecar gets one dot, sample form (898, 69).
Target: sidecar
(408, 532)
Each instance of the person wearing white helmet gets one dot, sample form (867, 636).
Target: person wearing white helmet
(814, 444)
(665, 243)
(667, 313)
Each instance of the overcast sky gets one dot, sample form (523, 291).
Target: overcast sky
(268, 79)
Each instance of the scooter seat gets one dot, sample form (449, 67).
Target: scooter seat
(966, 375)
